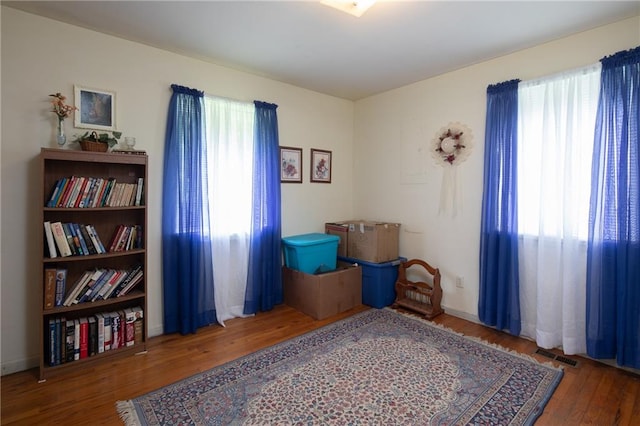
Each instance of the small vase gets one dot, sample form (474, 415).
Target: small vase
(61, 138)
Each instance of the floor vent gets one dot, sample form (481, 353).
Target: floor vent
(559, 358)
(568, 361)
(548, 354)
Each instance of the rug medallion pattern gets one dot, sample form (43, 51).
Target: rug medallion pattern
(378, 367)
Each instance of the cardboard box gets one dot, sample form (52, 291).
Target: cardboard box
(323, 295)
(372, 241)
(341, 230)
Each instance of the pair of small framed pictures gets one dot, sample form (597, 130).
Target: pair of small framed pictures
(291, 165)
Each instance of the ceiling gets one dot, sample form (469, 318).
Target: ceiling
(309, 45)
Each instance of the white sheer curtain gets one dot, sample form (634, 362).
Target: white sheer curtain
(556, 121)
(229, 133)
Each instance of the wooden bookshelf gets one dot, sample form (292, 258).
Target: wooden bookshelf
(125, 168)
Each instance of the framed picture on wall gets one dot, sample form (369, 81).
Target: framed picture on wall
(96, 109)
(320, 166)
(290, 164)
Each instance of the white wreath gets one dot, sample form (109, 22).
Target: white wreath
(452, 144)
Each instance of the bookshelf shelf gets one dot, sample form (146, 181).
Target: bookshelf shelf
(93, 170)
(93, 257)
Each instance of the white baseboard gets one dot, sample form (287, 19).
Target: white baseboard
(19, 365)
(462, 314)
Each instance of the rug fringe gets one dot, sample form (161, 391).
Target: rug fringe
(480, 340)
(127, 412)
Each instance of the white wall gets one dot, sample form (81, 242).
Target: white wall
(42, 56)
(397, 180)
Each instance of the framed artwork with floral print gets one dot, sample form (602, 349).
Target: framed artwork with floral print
(290, 164)
(320, 166)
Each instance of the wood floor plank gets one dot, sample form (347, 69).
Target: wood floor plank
(592, 392)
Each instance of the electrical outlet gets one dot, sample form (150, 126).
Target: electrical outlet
(460, 282)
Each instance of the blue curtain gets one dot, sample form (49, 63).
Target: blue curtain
(499, 304)
(186, 249)
(264, 280)
(613, 254)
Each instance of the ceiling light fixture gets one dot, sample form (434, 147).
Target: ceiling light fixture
(353, 7)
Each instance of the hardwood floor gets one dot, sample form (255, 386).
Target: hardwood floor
(590, 393)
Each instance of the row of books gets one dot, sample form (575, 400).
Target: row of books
(70, 340)
(73, 239)
(98, 284)
(88, 192)
(126, 237)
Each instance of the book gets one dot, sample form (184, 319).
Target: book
(104, 278)
(91, 196)
(61, 286)
(93, 336)
(129, 329)
(139, 236)
(60, 239)
(115, 330)
(122, 240)
(51, 244)
(60, 194)
(69, 340)
(58, 342)
(76, 339)
(89, 285)
(84, 195)
(121, 337)
(62, 202)
(117, 233)
(107, 331)
(77, 187)
(94, 239)
(83, 243)
(97, 237)
(126, 195)
(130, 285)
(104, 200)
(82, 188)
(54, 192)
(77, 286)
(49, 288)
(122, 275)
(76, 239)
(115, 279)
(138, 199)
(87, 239)
(69, 237)
(131, 241)
(97, 194)
(74, 244)
(84, 337)
(138, 325)
(129, 151)
(63, 340)
(100, 324)
(130, 275)
(52, 342)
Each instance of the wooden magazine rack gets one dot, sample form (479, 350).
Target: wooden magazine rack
(419, 296)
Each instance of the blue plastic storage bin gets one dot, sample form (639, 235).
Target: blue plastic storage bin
(378, 280)
(311, 253)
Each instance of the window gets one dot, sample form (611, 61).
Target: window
(229, 128)
(556, 121)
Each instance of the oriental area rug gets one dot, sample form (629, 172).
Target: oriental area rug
(379, 367)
